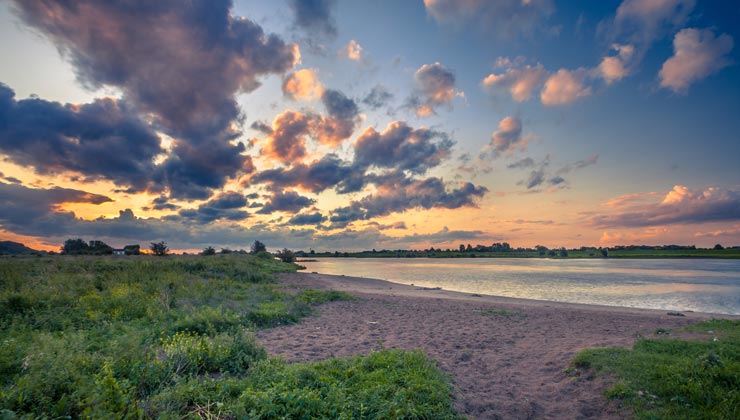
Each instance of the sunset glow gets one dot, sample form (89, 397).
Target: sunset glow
(356, 125)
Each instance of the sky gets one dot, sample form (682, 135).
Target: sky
(348, 125)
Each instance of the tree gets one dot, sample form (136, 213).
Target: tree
(75, 247)
(257, 247)
(209, 250)
(132, 249)
(99, 248)
(286, 255)
(159, 248)
(718, 247)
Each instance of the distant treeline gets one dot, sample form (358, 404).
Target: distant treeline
(506, 251)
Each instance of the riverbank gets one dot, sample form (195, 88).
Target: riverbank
(507, 357)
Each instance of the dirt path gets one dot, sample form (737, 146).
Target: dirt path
(506, 356)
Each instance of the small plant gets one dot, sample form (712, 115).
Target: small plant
(504, 313)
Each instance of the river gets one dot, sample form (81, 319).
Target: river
(702, 285)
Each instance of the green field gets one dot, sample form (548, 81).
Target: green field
(172, 338)
(675, 379)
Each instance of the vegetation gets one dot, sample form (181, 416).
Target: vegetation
(498, 250)
(286, 255)
(171, 338)
(674, 379)
(159, 249)
(258, 247)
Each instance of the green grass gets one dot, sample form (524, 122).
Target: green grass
(172, 338)
(675, 379)
(504, 313)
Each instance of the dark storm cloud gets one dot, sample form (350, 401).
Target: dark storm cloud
(403, 194)
(338, 105)
(262, 127)
(163, 203)
(290, 202)
(33, 211)
(179, 62)
(225, 206)
(315, 177)
(104, 139)
(378, 97)
(306, 219)
(401, 147)
(314, 16)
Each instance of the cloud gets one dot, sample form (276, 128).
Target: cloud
(443, 236)
(306, 219)
(520, 82)
(339, 105)
(32, 211)
(435, 86)
(104, 139)
(303, 84)
(378, 97)
(290, 202)
(644, 21)
(527, 162)
(680, 205)
(565, 87)
(697, 54)
(287, 143)
(396, 225)
(615, 68)
(179, 63)
(353, 51)
(541, 174)
(317, 176)
(732, 231)
(163, 203)
(262, 127)
(397, 194)
(508, 137)
(504, 17)
(225, 206)
(314, 16)
(401, 147)
(579, 164)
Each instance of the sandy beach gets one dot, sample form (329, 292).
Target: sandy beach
(507, 357)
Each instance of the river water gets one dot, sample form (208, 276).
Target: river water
(702, 285)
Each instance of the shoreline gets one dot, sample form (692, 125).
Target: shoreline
(507, 357)
(372, 285)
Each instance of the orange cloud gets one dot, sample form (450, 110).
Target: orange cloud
(303, 84)
(353, 51)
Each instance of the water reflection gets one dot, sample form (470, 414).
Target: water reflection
(698, 284)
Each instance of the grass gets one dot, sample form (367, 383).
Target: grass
(675, 379)
(504, 313)
(172, 338)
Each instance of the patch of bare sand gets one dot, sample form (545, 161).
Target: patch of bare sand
(504, 365)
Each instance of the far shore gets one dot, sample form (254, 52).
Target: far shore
(508, 357)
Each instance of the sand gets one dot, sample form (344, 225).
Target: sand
(504, 365)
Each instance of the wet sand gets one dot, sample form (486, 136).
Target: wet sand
(507, 357)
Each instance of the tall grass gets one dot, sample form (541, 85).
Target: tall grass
(172, 338)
